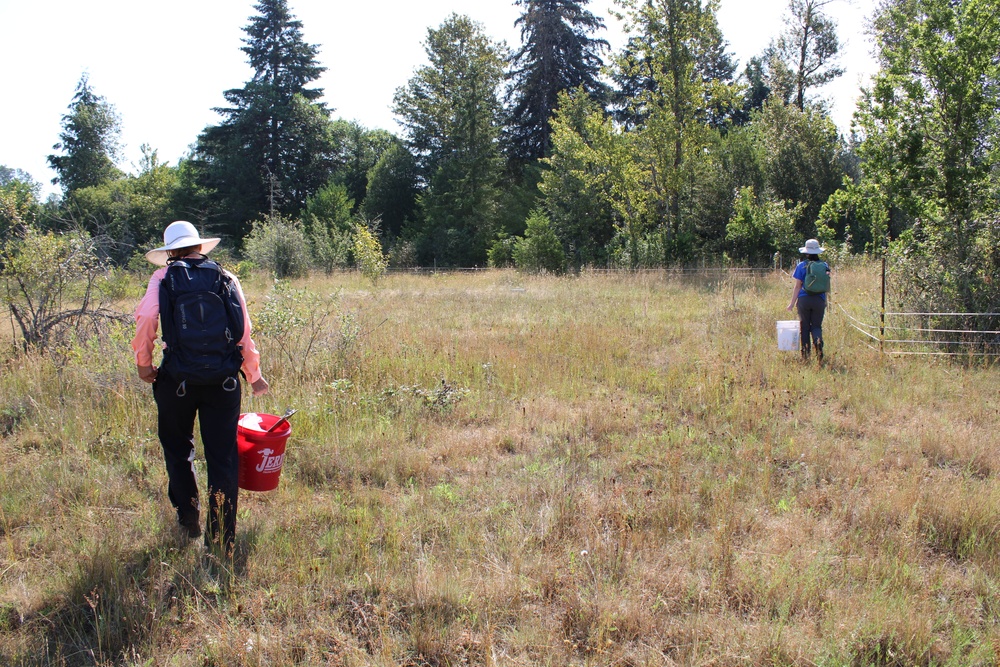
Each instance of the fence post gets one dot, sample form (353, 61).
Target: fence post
(881, 331)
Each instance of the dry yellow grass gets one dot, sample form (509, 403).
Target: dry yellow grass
(494, 469)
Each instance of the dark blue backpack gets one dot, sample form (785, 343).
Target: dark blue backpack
(202, 322)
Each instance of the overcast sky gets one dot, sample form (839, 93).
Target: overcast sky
(164, 65)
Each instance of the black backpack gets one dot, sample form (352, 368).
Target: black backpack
(202, 322)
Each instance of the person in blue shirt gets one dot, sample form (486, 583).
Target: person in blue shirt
(811, 304)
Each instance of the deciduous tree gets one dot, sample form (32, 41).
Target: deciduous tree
(680, 55)
(450, 111)
(127, 213)
(929, 130)
(18, 201)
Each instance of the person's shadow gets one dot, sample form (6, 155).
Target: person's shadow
(110, 607)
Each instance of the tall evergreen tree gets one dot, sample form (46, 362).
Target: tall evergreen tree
(88, 141)
(557, 54)
(756, 90)
(273, 148)
(392, 194)
(450, 110)
(804, 55)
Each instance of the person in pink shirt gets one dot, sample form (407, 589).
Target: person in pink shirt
(183, 391)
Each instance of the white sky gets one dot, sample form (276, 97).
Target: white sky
(164, 65)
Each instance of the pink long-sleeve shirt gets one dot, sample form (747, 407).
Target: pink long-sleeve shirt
(147, 324)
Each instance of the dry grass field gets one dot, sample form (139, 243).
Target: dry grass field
(494, 469)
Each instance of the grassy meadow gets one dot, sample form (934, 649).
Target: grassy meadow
(497, 469)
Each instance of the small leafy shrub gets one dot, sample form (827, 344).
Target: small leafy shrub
(12, 415)
(403, 254)
(331, 246)
(327, 218)
(501, 254)
(540, 250)
(278, 245)
(368, 254)
(309, 330)
(243, 269)
(442, 398)
(55, 288)
(138, 264)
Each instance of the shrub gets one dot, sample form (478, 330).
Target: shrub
(403, 254)
(368, 254)
(278, 245)
(308, 331)
(758, 229)
(501, 253)
(331, 246)
(55, 287)
(540, 249)
(327, 218)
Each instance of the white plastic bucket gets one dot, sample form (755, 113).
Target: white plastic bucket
(788, 335)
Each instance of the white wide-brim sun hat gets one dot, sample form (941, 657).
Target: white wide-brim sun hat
(179, 234)
(811, 247)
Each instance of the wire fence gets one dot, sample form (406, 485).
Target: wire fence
(669, 271)
(931, 334)
(939, 334)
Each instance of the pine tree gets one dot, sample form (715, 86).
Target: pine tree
(89, 141)
(273, 148)
(804, 54)
(557, 54)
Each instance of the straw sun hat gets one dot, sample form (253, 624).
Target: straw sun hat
(811, 248)
(179, 234)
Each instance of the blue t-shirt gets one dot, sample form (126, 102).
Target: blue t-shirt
(800, 274)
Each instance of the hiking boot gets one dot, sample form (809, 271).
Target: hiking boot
(806, 353)
(190, 524)
(819, 350)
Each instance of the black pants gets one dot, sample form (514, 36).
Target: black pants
(218, 411)
(811, 308)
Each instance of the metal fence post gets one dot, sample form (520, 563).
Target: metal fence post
(881, 331)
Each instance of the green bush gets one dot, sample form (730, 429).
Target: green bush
(327, 219)
(759, 229)
(278, 245)
(368, 254)
(56, 289)
(331, 246)
(540, 249)
(501, 254)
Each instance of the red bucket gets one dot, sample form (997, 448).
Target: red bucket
(261, 454)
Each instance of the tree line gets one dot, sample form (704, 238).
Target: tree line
(561, 154)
